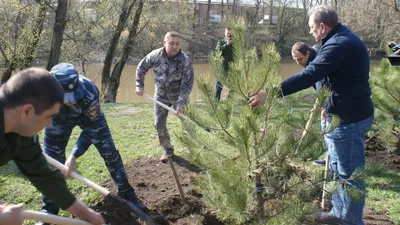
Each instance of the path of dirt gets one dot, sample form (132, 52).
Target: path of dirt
(155, 185)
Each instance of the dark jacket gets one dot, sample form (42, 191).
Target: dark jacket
(344, 60)
(27, 155)
(226, 51)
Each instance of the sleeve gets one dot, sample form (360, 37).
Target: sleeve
(144, 65)
(47, 180)
(220, 45)
(327, 62)
(186, 84)
(91, 115)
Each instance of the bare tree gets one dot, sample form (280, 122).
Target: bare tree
(208, 12)
(110, 89)
(58, 32)
(222, 10)
(271, 11)
(24, 60)
(123, 17)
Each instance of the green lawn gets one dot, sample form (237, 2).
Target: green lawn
(135, 136)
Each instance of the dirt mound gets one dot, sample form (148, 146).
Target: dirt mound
(155, 186)
(376, 152)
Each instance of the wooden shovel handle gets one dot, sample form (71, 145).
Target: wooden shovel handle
(76, 176)
(324, 187)
(160, 103)
(49, 218)
(101, 190)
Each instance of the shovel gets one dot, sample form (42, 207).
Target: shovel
(129, 206)
(171, 164)
(172, 110)
(52, 219)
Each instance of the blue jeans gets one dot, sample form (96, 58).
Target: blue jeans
(345, 146)
(218, 89)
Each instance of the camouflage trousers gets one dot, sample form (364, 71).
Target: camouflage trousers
(55, 142)
(161, 116)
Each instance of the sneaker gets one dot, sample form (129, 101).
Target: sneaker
(41, 223)
(164, 156)
(319, 162)
(44, 211)
(327, 218)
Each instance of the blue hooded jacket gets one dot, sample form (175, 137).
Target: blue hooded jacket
(344, 60)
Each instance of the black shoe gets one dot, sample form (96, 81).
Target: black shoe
(327, 218)
(139, 204)
(319, 162)
(131, 197)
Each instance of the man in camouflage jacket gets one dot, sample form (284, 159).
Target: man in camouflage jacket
(173, 73)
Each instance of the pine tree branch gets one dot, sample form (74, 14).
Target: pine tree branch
(266, 76)
(390, 93)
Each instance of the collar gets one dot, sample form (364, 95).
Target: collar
(332, 32)
(178, 56)
(313, 54)
(2, 134)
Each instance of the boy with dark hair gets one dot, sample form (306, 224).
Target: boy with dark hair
(28, 102)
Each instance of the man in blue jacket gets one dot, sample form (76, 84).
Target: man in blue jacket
(344, 60)
(82, 108)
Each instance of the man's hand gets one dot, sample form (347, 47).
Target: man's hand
(229, 41)
(323, 116)
(85, 213)
(397, 52)
(257, 99)
(11, 214)
(139, 91)
(179, 111)
(71, 166)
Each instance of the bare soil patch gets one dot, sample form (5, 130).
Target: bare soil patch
(155, 185)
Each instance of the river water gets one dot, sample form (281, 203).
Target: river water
(126, 91)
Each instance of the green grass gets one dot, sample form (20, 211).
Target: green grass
(132, 127)
(383, 191)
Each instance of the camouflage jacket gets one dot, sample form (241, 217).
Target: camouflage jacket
(173, 76)
(86, 114)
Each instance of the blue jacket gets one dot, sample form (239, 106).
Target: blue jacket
(86, 114)
(344, 60)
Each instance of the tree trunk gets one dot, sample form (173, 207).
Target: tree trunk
(271, 11)
(110, 94)
(195, 14)
(260, 198)
(58, 32)
(123, 17)
(222, 10)
(36, 32)
(208, 12)
(25, 60)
